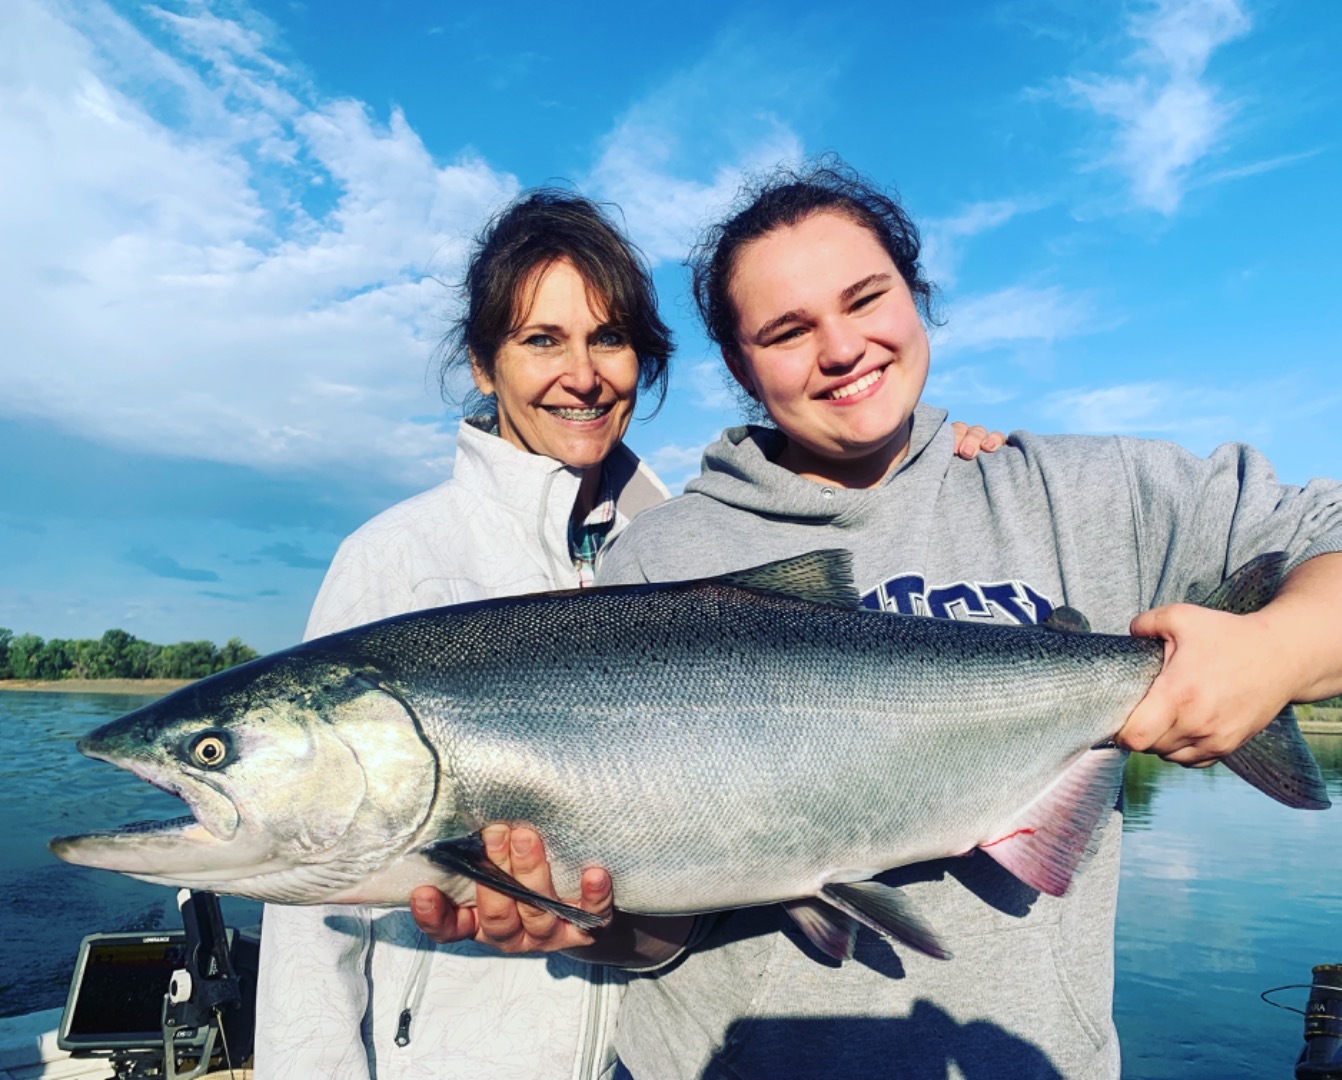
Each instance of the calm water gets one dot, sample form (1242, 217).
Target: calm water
(47, 788)
(1224, 892)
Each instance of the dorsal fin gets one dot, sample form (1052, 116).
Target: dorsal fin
(822, 577)
(1066, 620)
(1251, 586)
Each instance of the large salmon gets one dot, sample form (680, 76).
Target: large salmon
(745, 740)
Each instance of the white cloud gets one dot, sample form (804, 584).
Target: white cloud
(675, 464)
(206, 258)
(712, 385)
(669, 173)
(1018, 313)
(1168, 116)
(1134, 408)
(969, 384)
(944, 237)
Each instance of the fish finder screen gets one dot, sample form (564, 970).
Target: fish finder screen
(116, 998)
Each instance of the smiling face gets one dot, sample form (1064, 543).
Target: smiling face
(565, 379)
(830, 343)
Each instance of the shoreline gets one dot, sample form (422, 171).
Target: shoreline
(1319, 720)
(141, 687)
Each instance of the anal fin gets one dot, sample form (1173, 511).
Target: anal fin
(1045, 842)
(884, 909)
(466, 856)
(826, 927)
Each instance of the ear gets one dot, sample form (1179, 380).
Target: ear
(483, 382)
(741, 372)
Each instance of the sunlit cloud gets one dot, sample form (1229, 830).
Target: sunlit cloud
(945, 238)
(1167, 116)
(969, 384)
(1198, 416)
(676, 464)
(1018, 313)
(672, 175)
(206, 253)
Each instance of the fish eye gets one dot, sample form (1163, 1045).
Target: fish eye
(211, 749)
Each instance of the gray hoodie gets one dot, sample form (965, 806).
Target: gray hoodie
(1110, 526)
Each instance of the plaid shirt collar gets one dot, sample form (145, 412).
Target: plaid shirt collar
(587, 537)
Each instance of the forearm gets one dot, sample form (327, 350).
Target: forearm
(637, 941)
(1304, 624)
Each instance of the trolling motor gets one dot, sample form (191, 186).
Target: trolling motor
(157, 1002)
(202, 987)
(1321, 1059)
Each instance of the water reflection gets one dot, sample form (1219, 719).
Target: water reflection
(1142, 779)
(1224, 894)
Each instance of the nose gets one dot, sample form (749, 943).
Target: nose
(580, 374)
(841, 344)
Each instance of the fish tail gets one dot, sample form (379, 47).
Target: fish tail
(1278, 762)
(1250, 587)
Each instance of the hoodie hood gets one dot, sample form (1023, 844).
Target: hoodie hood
(740, 470)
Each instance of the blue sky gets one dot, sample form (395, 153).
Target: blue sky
(227, 228)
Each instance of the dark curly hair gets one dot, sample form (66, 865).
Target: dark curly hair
(783, 198)
(538, 228)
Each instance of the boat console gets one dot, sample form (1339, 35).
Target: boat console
(164, 1004)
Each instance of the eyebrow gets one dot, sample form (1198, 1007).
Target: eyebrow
(555, 330)
(797, 314)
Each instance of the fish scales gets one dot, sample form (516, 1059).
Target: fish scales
(727, 699)
(740, 741)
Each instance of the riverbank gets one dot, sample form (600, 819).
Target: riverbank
(1318, 720)
(145, 687)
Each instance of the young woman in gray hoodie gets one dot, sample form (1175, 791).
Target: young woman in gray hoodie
(814, 294)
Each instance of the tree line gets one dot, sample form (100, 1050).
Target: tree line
(115, 655)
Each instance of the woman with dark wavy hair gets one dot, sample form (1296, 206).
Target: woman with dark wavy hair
(559, 333)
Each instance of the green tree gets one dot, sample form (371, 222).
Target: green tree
(235, 653)
(115, 655)
(53, 660)
(83, 657)
(23, 652)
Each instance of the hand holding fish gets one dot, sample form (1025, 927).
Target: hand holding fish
(502, 922)
(1226, 676)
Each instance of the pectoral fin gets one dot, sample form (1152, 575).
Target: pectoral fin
(885, 910)
(466, 855)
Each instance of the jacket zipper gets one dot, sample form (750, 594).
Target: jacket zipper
(414, 989)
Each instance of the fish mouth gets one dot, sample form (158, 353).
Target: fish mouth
(185, 844)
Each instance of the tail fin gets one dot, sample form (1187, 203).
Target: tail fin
(1250, 587)
(1276, 761)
